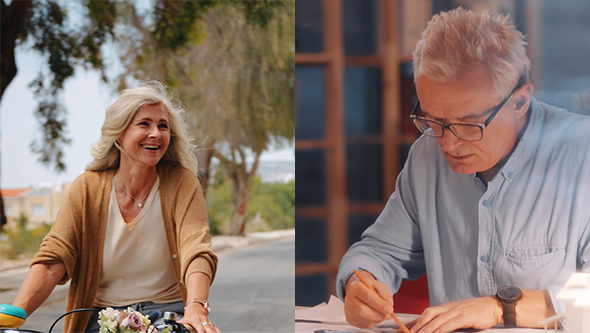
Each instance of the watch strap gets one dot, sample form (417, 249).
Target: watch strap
(205, 304)
(509, 313)
(509, 297)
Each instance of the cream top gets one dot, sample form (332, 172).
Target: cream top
(136, 264)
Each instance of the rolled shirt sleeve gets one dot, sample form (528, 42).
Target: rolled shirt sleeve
(192, 229)
(389, 251)
(62, 242)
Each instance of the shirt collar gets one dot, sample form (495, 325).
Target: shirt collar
(526, 145)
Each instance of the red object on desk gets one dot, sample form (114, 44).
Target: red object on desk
(412, 296)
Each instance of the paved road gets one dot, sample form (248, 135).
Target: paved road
(254, 291)
(42, 319)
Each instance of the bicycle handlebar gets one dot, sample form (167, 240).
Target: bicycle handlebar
(12, 316)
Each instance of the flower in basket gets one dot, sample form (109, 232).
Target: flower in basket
(126, 321)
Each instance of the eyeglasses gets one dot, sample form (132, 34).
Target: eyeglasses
(462, 130)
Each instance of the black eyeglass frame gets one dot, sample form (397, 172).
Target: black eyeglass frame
(481, 126)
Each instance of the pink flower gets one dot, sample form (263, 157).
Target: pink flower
(132, 321)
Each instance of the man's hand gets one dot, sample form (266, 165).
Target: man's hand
(484, 312)
(363, 307)
(478, 313)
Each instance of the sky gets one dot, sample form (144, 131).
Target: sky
(86, 99)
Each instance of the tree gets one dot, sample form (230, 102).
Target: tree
(274, 202)
(271, 204)
(45, 23)
(22, 240)
(237, 81)
(66, 42)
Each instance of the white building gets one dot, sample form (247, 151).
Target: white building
(39, 204)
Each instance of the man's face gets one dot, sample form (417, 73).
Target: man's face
(470, 98)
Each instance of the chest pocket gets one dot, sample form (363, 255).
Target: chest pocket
(533, 266)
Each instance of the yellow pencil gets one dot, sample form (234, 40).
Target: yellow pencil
(399, 322)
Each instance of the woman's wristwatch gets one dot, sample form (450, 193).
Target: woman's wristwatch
(205, 304)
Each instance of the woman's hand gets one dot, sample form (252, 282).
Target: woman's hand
(195, 319)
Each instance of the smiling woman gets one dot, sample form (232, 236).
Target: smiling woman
(138, 202)
(147, 137)
(128, 112)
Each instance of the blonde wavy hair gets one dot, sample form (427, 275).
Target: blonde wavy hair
(106, 152)
(456, 39)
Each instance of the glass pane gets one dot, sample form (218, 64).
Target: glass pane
(310, 107)
(38, 210)
(565, 50)
(357, 224)
(404, 151)
(311, 290)
(308, 26)
(310, 240)
(362, 101)
(364, 172)
(360, 26)
(408, 100)
(562, 47)
(310, 177)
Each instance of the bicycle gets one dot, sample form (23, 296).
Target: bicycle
(14, 317)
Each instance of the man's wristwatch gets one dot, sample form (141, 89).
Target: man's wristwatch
(508, 297)
(205, 304)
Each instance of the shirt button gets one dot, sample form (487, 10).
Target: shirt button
(510, 175)
(486, 203)
(484, 258)
(174, 256)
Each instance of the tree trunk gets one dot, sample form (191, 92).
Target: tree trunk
(241, 200)
(2, 215)
(12, 18)
(242, 180)
(206, 154)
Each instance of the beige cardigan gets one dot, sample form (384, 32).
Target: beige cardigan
(78, 235)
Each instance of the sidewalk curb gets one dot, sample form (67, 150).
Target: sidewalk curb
(222, 243)
(15, 264)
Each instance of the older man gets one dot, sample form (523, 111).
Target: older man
(494, 200)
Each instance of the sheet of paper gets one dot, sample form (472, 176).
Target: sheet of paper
(330, 318)
(333, 313)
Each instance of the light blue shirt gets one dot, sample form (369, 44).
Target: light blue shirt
(529, 228)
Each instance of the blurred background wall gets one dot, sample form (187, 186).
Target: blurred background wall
(354, 93)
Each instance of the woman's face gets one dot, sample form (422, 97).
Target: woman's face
(147, 137)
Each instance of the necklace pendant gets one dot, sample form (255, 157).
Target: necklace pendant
(140, 205)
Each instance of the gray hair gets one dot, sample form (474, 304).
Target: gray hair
(456, 39)
(106, 152)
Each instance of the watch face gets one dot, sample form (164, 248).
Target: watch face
(510, 293)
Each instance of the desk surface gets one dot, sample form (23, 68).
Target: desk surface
(309, 325)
